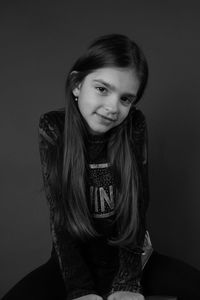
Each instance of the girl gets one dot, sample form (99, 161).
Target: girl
(94, 163)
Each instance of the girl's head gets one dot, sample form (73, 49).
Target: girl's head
(107, 81)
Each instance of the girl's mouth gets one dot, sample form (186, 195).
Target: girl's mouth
(106, 118)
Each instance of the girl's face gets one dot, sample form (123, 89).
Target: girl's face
(105, 97)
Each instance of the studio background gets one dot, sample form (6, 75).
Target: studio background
(39, 42)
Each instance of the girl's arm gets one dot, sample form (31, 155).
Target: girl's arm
(129, 273)
(76, 275)
(132, 261)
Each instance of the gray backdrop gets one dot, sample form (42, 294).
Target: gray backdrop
(39, 41)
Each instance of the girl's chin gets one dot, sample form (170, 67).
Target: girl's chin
(100, 125)
(98, 130)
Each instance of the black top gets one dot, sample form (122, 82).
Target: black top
(100, 256)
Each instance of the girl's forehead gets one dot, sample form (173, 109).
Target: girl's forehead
(123, 78)
(107, 71)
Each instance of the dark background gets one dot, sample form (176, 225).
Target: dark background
(39, 41)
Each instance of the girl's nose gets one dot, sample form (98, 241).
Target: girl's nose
(111, 106)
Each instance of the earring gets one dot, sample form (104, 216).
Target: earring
(76, 98)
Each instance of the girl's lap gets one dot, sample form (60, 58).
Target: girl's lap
(162, 275)
(165, 275)
(45, 282)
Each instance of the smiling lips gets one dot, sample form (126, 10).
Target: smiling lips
(107, 118)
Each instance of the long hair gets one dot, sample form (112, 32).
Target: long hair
(110, 50)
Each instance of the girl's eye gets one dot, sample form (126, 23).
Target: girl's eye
(101, 89)
(126, 101)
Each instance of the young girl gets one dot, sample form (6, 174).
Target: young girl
(94, 163)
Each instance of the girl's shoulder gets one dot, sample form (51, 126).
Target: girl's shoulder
(51, 125)
(138, 119)
(139, 125)
(139, 134)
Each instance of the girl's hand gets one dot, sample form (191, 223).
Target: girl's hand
(89, 297)
(125, 296)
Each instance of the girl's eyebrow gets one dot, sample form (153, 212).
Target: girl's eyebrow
(112, 87)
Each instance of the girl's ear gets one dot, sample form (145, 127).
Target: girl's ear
(75, 86)
(76, 92)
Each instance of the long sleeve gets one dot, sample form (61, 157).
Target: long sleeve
(132, 261)
(76, 275)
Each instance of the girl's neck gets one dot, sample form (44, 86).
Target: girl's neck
(98, 137)
(92, 136)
